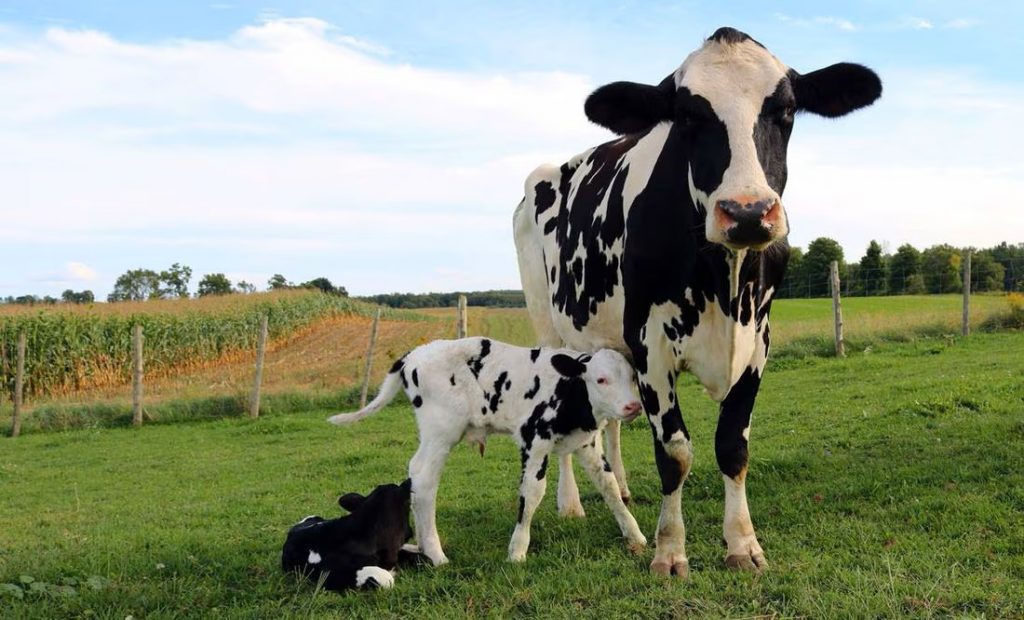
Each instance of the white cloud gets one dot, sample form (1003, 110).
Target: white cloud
(961, 23)
(72, 273)
(919, 23)
(834, 22)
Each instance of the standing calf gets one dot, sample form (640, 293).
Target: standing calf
(549, 400)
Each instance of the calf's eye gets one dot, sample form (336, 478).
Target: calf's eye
(602, 380)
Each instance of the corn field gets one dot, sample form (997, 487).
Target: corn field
(76, 348)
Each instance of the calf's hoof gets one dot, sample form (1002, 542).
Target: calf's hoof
(517, 557)
(374, 577)
(572, 511)
(626, 498)
(637, 547)
(753, 562)
(680, 567)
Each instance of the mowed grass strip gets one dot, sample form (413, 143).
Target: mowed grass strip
(888, 484)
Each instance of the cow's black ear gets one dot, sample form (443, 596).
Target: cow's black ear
(351, 501)
(836, 90)
(629, 107)
(406, 486)
(567, 366)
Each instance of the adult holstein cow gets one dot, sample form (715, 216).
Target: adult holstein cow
(668, 243)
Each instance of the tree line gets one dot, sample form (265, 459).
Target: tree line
(494, 299)
(907, 271)
(173, 283)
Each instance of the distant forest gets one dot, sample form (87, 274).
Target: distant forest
(495, 299)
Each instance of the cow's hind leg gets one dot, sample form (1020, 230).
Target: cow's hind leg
(600, 472)
(744, 551)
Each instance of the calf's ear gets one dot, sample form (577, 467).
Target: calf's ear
(629, 107)
(836, 90)
(406, 486)
(567, 366)
(351, 501)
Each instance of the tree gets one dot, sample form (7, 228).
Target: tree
(820, 253)
(872, 270)
(325, 285)
(903, 265)
(940, 266)
(1011, 257)
(277, 281)
(793, 282)
(214, 284)
(71, 297)
(986, 273)
(245, 287)
(136, 285)
(176, 280)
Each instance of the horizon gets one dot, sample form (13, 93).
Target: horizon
(324, 142)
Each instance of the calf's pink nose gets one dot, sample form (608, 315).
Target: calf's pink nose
(631, 408)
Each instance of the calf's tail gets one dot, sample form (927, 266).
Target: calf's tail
(392, 384)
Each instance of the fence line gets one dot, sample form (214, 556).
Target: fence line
(369, 360)
(137, 339)
(19, 386)
(966, 327)
(261, 353)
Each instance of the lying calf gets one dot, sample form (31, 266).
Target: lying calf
(550, 401)
(358, 550)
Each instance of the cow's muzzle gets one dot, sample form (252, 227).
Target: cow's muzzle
(749, 222)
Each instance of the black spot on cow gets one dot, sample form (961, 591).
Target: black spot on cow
(545, 198)
(398, 365)
(732, 36)
(543, 468)
(549, 227)
(499, 385)
(451, 379)
(533, 391)
(418, 401)
(522, 508)
(534, 354)
(671, 423)
(552, 274)
(669, 469)
(415, 378)
(607, 465)
(476, 363)
(405, 382)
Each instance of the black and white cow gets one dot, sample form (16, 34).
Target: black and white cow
(550, 401)
(360, 550)
(667, 244)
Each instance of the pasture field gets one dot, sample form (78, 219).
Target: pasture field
(888, 484)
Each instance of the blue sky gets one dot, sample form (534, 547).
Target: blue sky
(384, 145)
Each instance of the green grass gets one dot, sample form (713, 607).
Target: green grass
(888, 484)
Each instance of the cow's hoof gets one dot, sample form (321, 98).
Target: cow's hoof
(572, 511)
(626, 499)
(680, 567)
(439, 560)
(753, 562)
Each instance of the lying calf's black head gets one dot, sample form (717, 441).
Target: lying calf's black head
(358, 550)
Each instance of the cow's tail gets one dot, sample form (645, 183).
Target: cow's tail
(392, 384)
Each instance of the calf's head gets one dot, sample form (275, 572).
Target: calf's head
(732, 105)
(384, 513)
(609, 380)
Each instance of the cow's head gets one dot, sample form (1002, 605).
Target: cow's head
(385, 510)
(733, 104)
(609, 380)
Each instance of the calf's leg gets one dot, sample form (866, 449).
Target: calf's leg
(569, 504)
(425, 472)
(614, 434)
(531, 491)
(601, 475)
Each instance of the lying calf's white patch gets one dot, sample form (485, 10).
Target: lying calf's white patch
(304, 519)
(314, 557)
(376, 575)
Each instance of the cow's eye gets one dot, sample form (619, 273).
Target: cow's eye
(602, 381)
(786, 114)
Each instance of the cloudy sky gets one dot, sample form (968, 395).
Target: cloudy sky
(384, 144)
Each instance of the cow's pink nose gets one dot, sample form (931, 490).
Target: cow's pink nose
(632, 408)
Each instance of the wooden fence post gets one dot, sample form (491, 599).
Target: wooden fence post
(19, 387)
(462, 321)
(261, 353)
(967, 295)
(369, 360)
(837, 310)
(137, 375)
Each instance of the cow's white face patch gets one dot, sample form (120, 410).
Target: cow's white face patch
(314, 557)
(735, 79)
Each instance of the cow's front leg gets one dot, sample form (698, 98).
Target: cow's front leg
(531, 491)
(600, 473)
(731, 450)
(673, 455)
